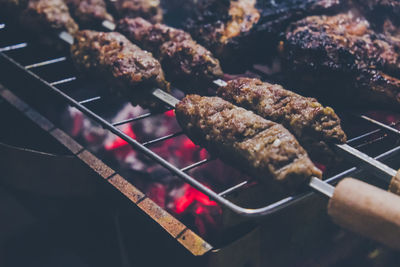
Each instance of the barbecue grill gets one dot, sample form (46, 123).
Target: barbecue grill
(244, 206)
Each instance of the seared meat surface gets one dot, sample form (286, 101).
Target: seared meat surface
(89, 13)
(314, 125)
(258, 146)
(130, 70)
(250, 29)
(221, 32)
(43, 16)
(342, 57)
(147, 9)
(181, 57)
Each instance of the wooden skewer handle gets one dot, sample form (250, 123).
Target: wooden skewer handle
(367, 210)
(394, 186)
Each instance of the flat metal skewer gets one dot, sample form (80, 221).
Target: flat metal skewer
(322, 186)
(109, 25)
(380, 124)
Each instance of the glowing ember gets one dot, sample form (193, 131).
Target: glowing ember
(190, 197)
(118, 142)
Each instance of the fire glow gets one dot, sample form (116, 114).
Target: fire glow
(170, 193)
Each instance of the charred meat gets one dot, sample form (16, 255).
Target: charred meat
(89, 13)
(181, 57)
(147, 9)
(250, 29)
(42, 16)
(130, 70)
(221, 32)
(260, 147)
(343, 57)
(314, 125)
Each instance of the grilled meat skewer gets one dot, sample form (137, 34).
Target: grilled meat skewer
(181, 57)
(344, 56)
(147, 9)
(111, 56)
(260, 147)
(89, 13)
(313, 125)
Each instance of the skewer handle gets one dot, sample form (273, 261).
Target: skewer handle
(367, 210)
(394, 186)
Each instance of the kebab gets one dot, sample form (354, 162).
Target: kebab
(181, 57)
(258, 146)
(341, 57)
(315, 126)
(111, 56)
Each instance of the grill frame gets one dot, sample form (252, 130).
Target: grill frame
(219, 197)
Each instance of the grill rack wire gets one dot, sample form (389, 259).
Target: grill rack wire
(182, 172)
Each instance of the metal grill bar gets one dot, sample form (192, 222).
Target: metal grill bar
(384, 170)
(140, 117)
(195, 165)
(45, 63)
(155, 141)
(89, 100)
(233, 188)
(380, 124)
(67, 80)
(370, 142)
(363, 136)
(13, 47)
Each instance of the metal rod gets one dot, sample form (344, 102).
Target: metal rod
(89, 100)
(140, 117)
(44, 63)
(384, 170)
(66, 37)
(152, 142)
(197, 164)
(380, 124)
(109, 25)
(322, 186)
(13, 47)
(165, 97)
(67, 80)
(363, 135)
(233, 188)
(220, 82)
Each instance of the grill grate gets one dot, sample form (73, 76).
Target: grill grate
(219, 197)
